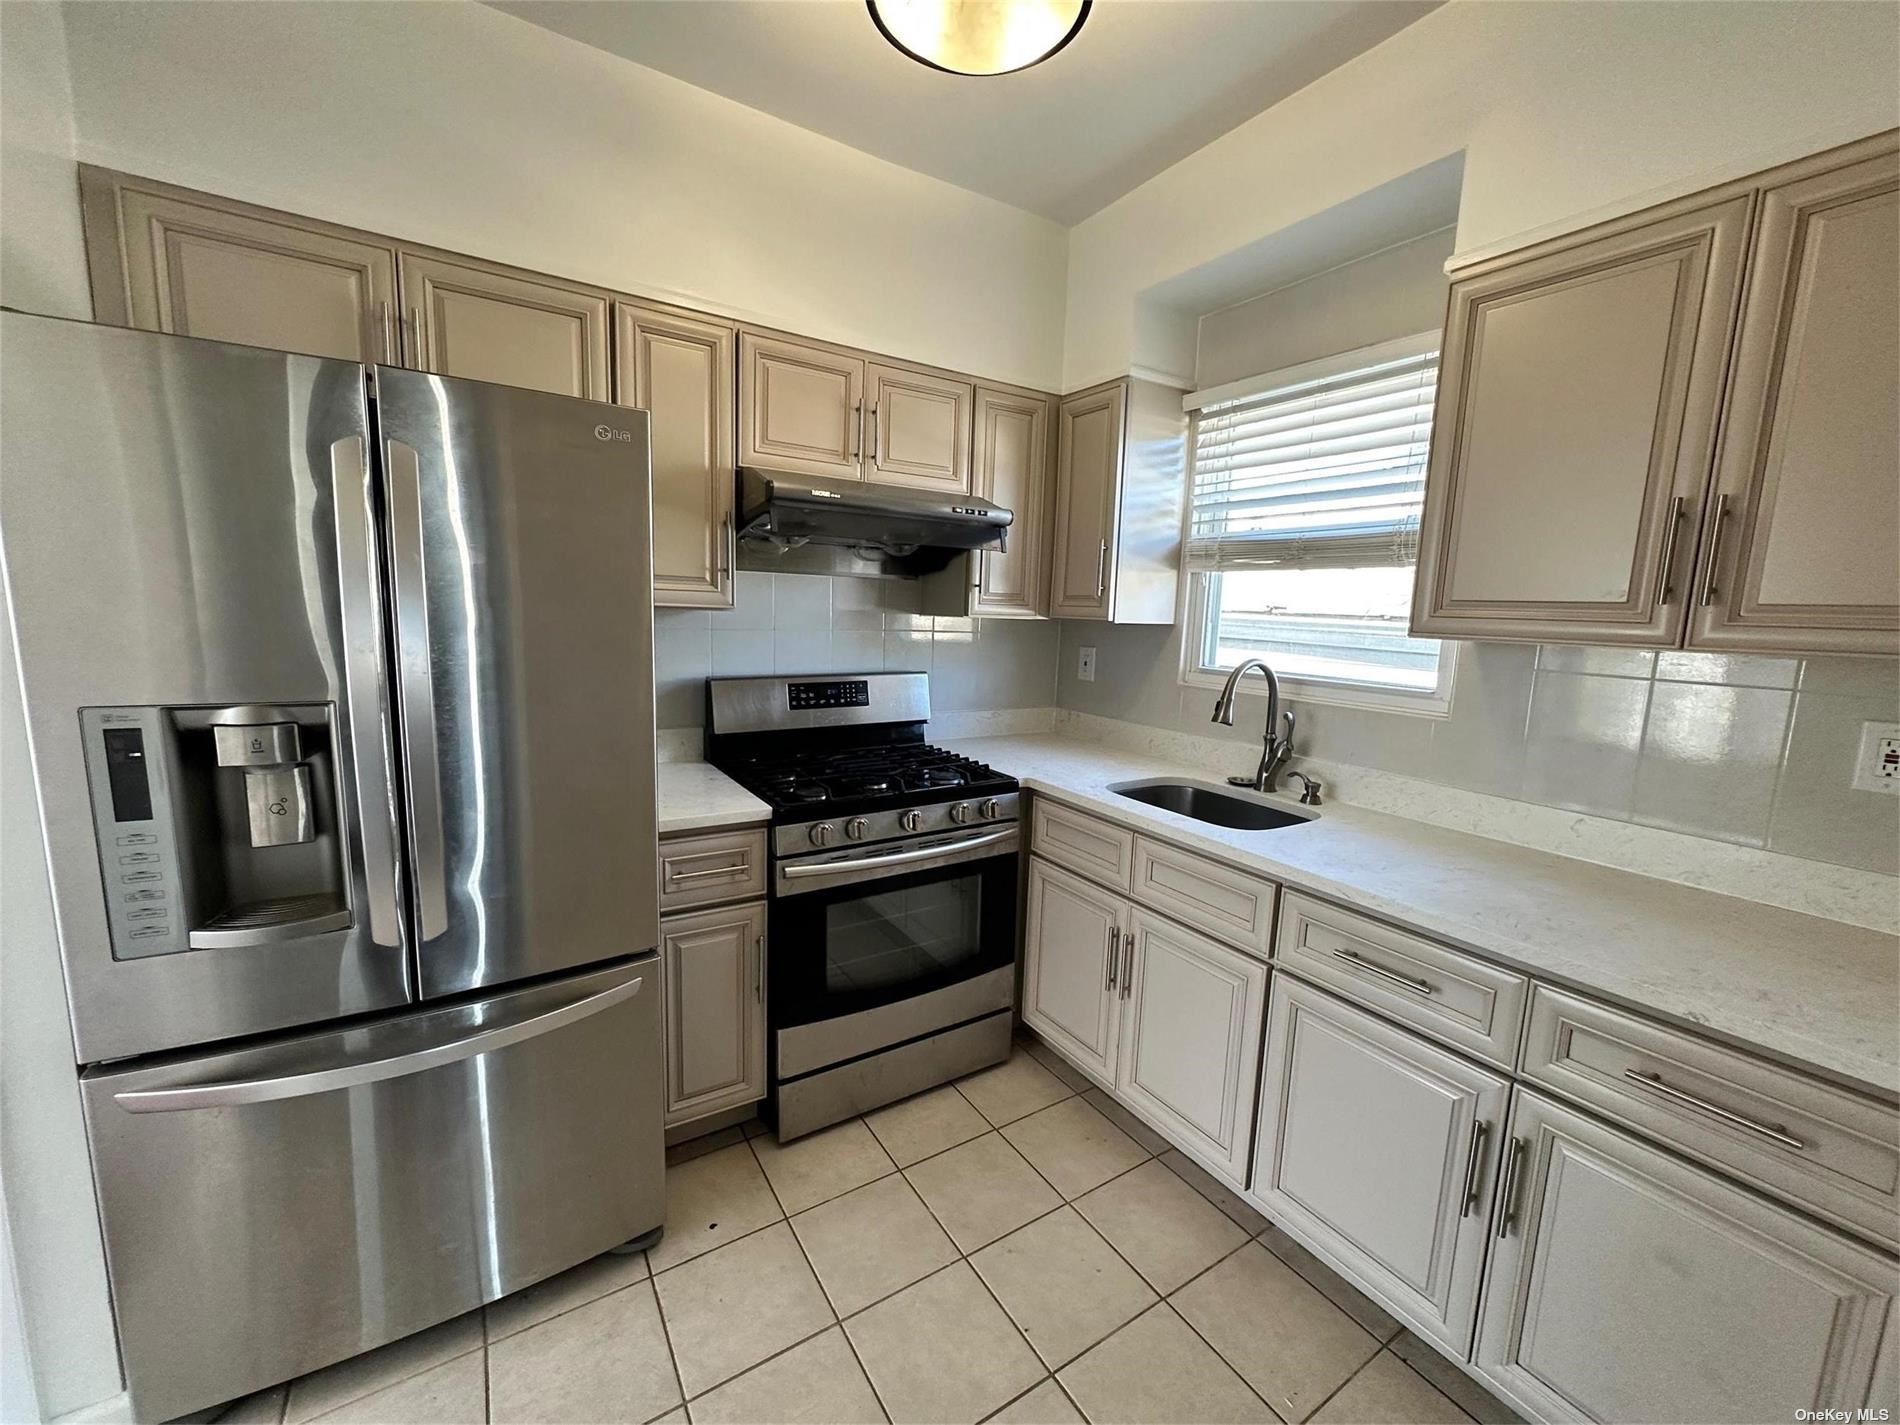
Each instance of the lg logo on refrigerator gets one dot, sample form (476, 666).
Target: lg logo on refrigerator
(606, 432)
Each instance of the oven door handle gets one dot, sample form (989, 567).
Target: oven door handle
(895, 858)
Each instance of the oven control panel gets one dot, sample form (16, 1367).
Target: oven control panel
(837, 693)
(833, 833)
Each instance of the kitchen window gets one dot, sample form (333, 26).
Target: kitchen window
(1302, 529)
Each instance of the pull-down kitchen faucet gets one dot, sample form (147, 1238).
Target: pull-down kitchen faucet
(1276, 750)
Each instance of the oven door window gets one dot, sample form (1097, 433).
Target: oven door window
(859, 946)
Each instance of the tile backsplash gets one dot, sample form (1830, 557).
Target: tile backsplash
(810, 623)
(1754, 750)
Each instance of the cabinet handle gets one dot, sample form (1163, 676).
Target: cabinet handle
(1666, 573)
(1114, 953)
(1128, 964)
(1473, 1184)
(1513, 1166)
(737, 869)
(1709, 589)
(389, 335)
(728, 551)
(1358, 962)
(758, 970)
(414, 323)
(1773, 1132)
(1101, 572)
(876, 442)
(857, 428)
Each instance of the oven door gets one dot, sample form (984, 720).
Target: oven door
(874, 947)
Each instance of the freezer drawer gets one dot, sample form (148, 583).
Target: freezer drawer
(277, 1208)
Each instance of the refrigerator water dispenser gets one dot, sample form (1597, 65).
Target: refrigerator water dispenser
(217, 827)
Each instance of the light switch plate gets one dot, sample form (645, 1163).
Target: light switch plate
(1085, 665)
(1877, 769)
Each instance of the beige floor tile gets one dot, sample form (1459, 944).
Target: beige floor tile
(1466, 1393)
(1156, 1371)
(1342, 1293)
(676, 1416)
(453, 1393)
(929, 1123)
(1062, 1285)
(1045, 1405)
(607, 1360)
(942, 1350)
(1168, 1231)
(1287, 1341)
(730, 1309)
(336, 1385)
(1013, 1089)
(1073, 1146)
(711, 1201)
(981, 1190)
(570, 1289)
(1389, 1392)
(872, 1241)
(1214, 1190)
(691, 1148)
(807, 1171)
(1151, 1142)
(816, 1383)
(1057, 1065)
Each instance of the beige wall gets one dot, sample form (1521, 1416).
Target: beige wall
(42, 259)
(1560, 108)
(457, 125)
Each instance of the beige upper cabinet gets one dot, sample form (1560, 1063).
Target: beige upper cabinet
(679, 368)
(170, 260)
(801, 407)
(1802, 542)
(1013, 432)
(1578, 397)
(488, 324)
(1121, 469)
(919, 426)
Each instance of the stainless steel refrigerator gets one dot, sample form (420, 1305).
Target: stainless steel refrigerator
(339, 687)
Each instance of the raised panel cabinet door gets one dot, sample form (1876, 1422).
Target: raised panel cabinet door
(1088, 480)
(1192, 1015)
(712, 968)
(1574, 433)
(1625, 1284)
(680, 370)
(1802, 550)
(1072, 966)
(919, 427)
(169, 261)
(1012, 470)
(487, 325)
(1379, 1150)
(801, 408)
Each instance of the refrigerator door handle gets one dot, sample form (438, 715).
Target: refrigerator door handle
(362, 672)
(415, 688)
(373, 1063)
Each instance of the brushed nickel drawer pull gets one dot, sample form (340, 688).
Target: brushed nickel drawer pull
(1359, 962)
(1473, 1185)
(1773, 1132)
(1114, 954)
(737, 869)
(1507, 1219)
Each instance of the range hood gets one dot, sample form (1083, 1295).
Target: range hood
(917, 530)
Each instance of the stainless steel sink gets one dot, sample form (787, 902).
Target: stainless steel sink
(1219, 806)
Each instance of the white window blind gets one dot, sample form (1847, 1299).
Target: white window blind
(1326, 472)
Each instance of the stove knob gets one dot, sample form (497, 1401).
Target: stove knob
(911, 820)
(960, 813)
(991, 809)
(856, 827)
(821, 833)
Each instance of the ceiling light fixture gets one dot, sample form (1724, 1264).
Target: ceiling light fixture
(979, 36)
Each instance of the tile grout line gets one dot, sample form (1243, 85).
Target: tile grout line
(666, 1335)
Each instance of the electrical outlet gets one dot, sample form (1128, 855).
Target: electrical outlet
(1085, 665)
(1877, 769)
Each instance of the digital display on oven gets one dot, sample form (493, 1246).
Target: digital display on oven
(840, 693)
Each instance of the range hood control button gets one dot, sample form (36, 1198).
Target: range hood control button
(855, 828)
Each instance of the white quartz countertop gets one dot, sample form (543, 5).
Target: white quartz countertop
(692, 796)
(1819, 994)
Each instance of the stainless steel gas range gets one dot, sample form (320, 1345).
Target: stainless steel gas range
(893, 890)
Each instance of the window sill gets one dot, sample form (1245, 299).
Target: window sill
(1433, 704)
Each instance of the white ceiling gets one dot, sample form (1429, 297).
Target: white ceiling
(1146, 82)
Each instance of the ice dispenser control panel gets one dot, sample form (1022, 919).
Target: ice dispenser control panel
(131, 807)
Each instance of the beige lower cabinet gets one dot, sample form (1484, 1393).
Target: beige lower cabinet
(488, 324)
(712, 977)
(678, 367)
(1626, 1284)
(1380, 1150)
(1072, 966)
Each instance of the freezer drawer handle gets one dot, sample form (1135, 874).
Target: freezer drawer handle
(348, 1073)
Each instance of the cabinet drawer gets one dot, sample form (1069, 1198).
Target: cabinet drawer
(1098, 849)
(1228, 904)
(720, 866)
(1452, 996)
(1821, 1147)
